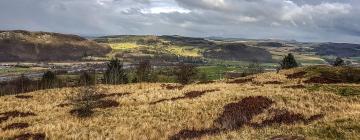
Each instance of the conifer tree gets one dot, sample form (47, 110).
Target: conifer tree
(115, 73)
(288, 62)
(339, 62)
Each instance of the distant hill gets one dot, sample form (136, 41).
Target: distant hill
(19, 45)
(270, 44)
(180, 40)
(236, 49)
(338, 49)
(180, 46)
(238, 52)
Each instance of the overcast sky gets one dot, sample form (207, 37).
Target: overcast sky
(303, 20)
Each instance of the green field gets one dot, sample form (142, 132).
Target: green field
(123, 46)
(356, 59)
(14, 70)
(134, 48)
(216, 72)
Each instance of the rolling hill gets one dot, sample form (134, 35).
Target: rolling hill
(238, 52)
(338, 49)
(21, 45)
(227, 49)
(44, 46)
(179, 46)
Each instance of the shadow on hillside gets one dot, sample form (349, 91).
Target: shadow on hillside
(188, 95)
(172, 87)
(12, 114)
(98, 97)
(237, 115)
(16, 126)
(28, 136)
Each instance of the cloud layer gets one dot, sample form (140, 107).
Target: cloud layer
(304, 20)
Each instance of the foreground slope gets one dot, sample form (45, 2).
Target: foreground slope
(38, 46)
(259, 107)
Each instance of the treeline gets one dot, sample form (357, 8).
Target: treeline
(115, 74)
(162, 57)
(143, 72)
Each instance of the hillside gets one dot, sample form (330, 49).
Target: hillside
(308, 53)
(44, 46)
(338, 49)
(179, 47)
(263, 106)
(224, 50)
(238, 52)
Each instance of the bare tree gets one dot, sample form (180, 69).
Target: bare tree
(185, 73)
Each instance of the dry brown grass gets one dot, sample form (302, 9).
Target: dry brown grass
(136, 118)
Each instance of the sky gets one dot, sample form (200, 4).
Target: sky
(302, 20)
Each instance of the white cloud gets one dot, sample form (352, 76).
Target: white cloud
(312, 11)
(310, 20)
(159, 10)
(247, 19)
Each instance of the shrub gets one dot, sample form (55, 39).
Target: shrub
(203, 78)
(348, 91)
(21, 84)
(83, 101)
(185, 73)
(48, 80)
(143, 71)
(87, 79)
(253, 68)
(338, 62)
(115, 73)
(350, 74)
(154, 77)
(87, 98)
(288, 62)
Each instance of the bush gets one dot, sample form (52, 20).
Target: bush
(348, 91)
(115, 73)
(87, 79)
(253, 68)
(350, 74)
(288, 62)
(154, 77)
(143, 71)
(88, 98)
(21, 84)
(48, 80)
(338, 62)
(83, 101)
(203, 78)
(328, 74)
(185, 73)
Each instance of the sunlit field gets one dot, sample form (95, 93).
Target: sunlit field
(170, 111)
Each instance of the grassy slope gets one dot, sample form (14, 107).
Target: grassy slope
(126, 44)
(135, 118)
(39, 46)
(134, 48)
(215, 72)
(177, 46)
(306, 59)
(19, 71)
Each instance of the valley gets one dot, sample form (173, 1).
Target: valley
(57, 86)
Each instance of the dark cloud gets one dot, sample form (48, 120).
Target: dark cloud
(304, 20)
